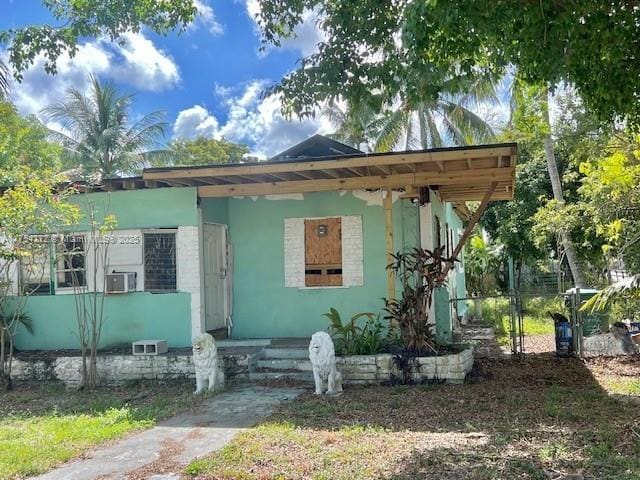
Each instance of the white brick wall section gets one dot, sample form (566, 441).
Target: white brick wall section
(352, 255)
(294, 252)
(188, 273)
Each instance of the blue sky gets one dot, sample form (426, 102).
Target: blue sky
(208, 79)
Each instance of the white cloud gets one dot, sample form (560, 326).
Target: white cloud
(195, 122)
(251, 119)
(207, 18)
(145, 66)
(307, 34)
(137, 62)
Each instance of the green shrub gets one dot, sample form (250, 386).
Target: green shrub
(360, 338)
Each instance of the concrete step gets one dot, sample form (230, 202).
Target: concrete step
(301, 376)
(286, 353)
(285, 364)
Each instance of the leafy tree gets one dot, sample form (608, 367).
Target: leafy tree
(77, 19)
(97, 135)
(611, 194)
(32, 205)
(24, 143)
(531, 117)
(511, 223)
(377, 50)
(202, 151)
(30, 200)
(530, 225)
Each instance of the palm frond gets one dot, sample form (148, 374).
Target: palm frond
(600, 301)
(391, 131)
(97, 132)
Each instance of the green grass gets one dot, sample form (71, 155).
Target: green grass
(525, 419)
(44, 425)
(623, 386)
(495, 313)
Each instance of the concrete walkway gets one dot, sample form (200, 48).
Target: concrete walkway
(163, 451)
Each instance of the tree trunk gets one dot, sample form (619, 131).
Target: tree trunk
(556, 185)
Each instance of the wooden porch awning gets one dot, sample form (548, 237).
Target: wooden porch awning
(458, 174)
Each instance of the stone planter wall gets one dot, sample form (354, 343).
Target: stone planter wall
(120, 369)
(380, 368)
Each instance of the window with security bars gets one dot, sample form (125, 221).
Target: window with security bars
(160, 261)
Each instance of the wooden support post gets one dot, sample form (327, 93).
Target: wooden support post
(387, 204)
(473, 221)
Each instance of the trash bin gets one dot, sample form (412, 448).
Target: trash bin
(592, 323)
(564, 335)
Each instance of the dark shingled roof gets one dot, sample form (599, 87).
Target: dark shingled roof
(315, 147)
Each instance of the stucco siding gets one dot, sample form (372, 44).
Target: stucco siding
(263, 305)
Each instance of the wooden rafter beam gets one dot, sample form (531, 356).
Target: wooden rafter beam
(384, 161)
(473, 221)
(357, 183)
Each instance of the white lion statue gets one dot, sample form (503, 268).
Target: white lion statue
(323, 360)
(209, 374)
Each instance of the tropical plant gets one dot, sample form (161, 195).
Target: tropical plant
(481, 266)
(357, 338)
(420, 272)
(448, 120)
(97, 135)
(356, 125)
(627, 289)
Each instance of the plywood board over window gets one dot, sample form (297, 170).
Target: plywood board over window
(323, 252)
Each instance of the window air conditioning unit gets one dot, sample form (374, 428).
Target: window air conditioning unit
(121, 282)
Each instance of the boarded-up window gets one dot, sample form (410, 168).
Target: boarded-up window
(323, 252)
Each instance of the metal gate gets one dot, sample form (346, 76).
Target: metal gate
(520, 320)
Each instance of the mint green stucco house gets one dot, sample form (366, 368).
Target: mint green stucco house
(262, 250)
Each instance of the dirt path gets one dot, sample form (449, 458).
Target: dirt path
(163, 451)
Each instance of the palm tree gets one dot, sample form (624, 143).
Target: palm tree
(556, 186)
(447, 120)
(96, 131)
(357, 126)
(4, 81)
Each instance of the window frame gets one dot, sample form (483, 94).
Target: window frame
(159, 231)
(60, 240)
(47, 271)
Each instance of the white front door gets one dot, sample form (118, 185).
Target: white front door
(216, 276)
